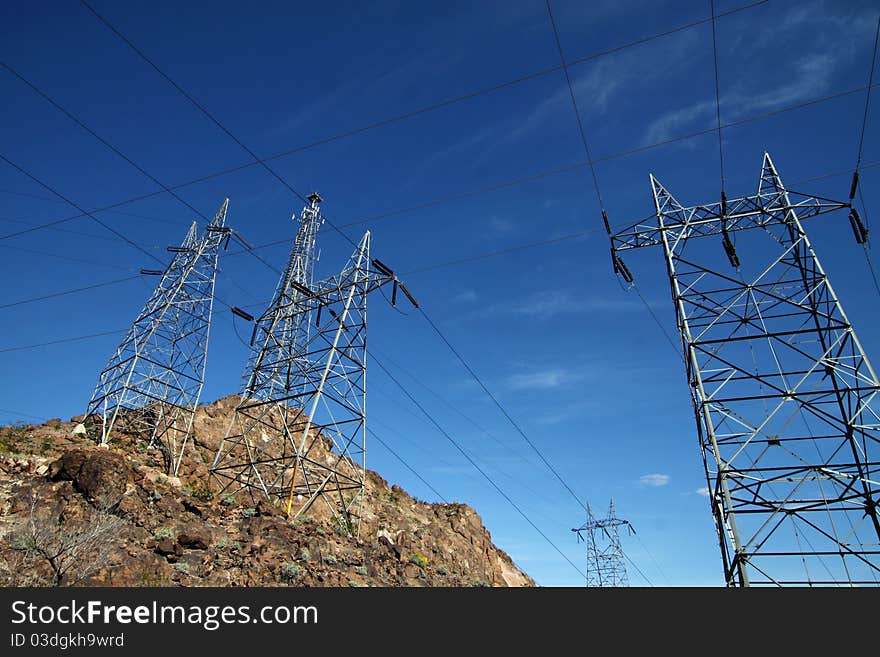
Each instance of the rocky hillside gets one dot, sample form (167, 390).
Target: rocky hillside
(75, 514)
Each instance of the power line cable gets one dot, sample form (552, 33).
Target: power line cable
(638, 570)
(651, 556)
(657, 321)
(501, 408)
(406, 465)
(66, 292)
(65, 257)
(621, 154)
(477, 467)
(749, 119)
(78, 208)
(262, 161)
(94, 134)
(456, 99)
(457, 261)
(604, 219)
(69, 231)
(717, 94)
(868, 97)
(855, 184)
(33, 417)
(454, 408)
(574, 104)
(498, 469)
(207, 114)
(62, 341)
(119, 153)
(55, 200)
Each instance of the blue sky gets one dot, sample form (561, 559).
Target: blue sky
(577, 360)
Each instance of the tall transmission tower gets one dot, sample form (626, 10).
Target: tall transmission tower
(605, 566)
(151, 385)
(783, 394)
(298, 433)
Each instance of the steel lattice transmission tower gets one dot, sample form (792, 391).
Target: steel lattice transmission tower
(784, 396)
(298, 432)
(605, 566)
(151, 386)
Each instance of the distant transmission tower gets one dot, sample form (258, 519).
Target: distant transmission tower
(151, 386)
(605, 566)
(298, 433)
(783, 393)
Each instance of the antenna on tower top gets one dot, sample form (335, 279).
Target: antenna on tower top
(298, 434)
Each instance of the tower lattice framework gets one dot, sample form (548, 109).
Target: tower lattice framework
(605, 560)
(298, 432)
(785, 399)
(152, 383)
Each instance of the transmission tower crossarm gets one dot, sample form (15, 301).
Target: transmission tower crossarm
(744, 213)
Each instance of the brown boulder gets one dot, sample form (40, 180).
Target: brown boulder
(98, 474)
(167, 547)
(195, 538)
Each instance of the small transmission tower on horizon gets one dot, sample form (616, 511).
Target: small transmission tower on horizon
(605, 559)
(298, 433)
(784, 396)
(152, 383)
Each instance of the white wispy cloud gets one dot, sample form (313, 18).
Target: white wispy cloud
(541, 379)
(550, 304)
(557, 302)
(656, 480)
(704, 491)
(834, 33)
(598, 85)
(465, 296)
(675, 122)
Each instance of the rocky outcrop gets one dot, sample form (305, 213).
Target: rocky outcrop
(179, 532)
(100, 475)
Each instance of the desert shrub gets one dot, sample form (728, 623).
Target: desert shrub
(290, 572)
(418, 559)
(69, 551)
(203, 493)
(163, 532)
(330, 559)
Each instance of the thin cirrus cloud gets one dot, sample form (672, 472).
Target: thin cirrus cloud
(549, 304)
(812, 77)
(541, 380)
(465, 296)
(654, 480)
(704, 491)
(558, 302)
(835, 39)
